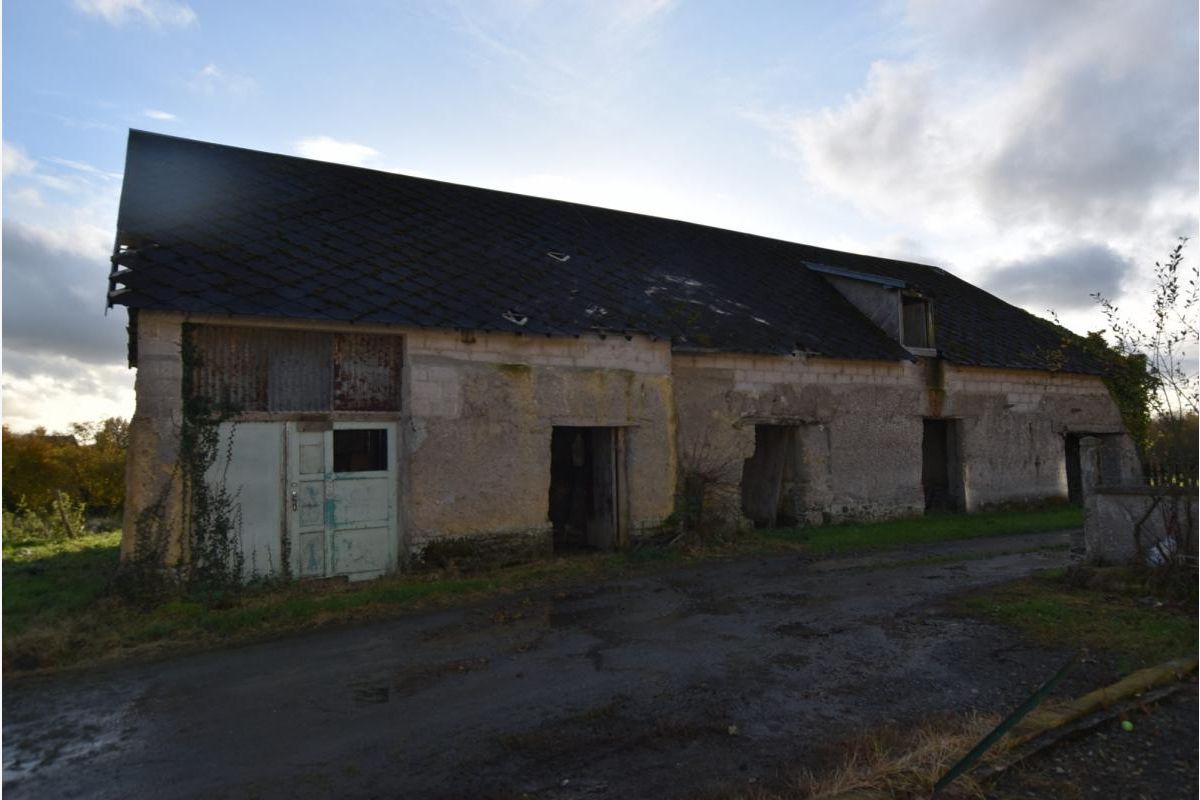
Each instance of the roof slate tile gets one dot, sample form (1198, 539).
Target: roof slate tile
(245, 232)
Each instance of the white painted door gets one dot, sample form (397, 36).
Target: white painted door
(249, 467)
(342, 517)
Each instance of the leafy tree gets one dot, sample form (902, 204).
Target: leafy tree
(86, 465)
(36, 468)
(99, 465)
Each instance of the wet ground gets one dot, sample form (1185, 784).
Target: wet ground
(1156, 760)
(664, 685)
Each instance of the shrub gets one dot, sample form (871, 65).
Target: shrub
(65, 518)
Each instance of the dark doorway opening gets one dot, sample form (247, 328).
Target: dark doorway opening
(770, 477)
(583, 487)
(941, 470)
(1074, 481)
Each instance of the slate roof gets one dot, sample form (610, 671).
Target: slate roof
(223, 230)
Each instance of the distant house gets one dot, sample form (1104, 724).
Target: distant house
(404, 364)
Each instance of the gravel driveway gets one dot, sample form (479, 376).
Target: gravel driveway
(664, 685)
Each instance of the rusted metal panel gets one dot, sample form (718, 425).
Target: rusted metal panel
(300, 373)
(366, 372)
(293, 371)
(230, 368)
(252, 369)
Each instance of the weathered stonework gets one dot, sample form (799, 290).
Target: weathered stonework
(478, 410)
(482, 550)
(1116, 502)
(482, 414)
(861, 425)
(151, 463)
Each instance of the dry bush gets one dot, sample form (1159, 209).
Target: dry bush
(708, 508)
(894, 762)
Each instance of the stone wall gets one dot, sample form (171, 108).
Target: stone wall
(1121, 514)
(857, 450)
(478, 411)
(1013, 424)
(482, 408)
(476, 420)
(861, 423)
(1168, 520)
(151, 476)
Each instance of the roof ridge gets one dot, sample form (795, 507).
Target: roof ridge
(576, 204)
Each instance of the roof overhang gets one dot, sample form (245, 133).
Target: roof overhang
(825, 269)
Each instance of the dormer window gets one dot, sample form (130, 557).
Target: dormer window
(916, 326)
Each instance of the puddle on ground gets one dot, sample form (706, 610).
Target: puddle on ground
(790, 660)
(65, 744)
(789, 598)
(562, 617)
(378, 690)
(803, 630)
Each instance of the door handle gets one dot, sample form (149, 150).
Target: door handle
(294, 497)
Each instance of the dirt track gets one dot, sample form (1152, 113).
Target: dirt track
(664, 685)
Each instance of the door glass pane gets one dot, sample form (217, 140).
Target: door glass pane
(360, 450)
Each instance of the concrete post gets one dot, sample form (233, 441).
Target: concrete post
(1089, 480)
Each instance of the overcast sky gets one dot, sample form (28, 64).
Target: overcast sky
(1044, 150)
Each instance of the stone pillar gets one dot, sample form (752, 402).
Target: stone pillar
(814, 490)
(152, 484)
(1089, 479)
(1130, 463)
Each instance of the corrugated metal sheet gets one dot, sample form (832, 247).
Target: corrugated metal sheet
(300, 370)
(230, 368)
(255, 369)
(366, 372)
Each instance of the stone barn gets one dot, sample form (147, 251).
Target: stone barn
(388, 366)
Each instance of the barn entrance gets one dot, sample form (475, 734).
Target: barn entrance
(584, 487)
(941, 467)
(341, 498)
(1074, 473)
(770, 479)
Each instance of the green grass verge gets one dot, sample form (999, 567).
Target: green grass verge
(58, 610)
(49, 581)
(1053, 611)
(924, 530)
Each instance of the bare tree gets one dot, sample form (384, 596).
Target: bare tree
(1169, 345)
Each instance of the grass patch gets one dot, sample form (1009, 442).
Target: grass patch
(891, 761)
(59, 612)
(925, 530)
(1053, 609)
(45, 581)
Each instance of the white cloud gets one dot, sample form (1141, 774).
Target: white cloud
(1062, 279)
(1047, 136)
(326, 148)
(581, 60)
(54, 283)
(158, 13)
(15, 160)
(25, 196)
(165, 116)
(63, 358)
(54, 391)
(82, 166)
(211, 80)
(636, 13)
